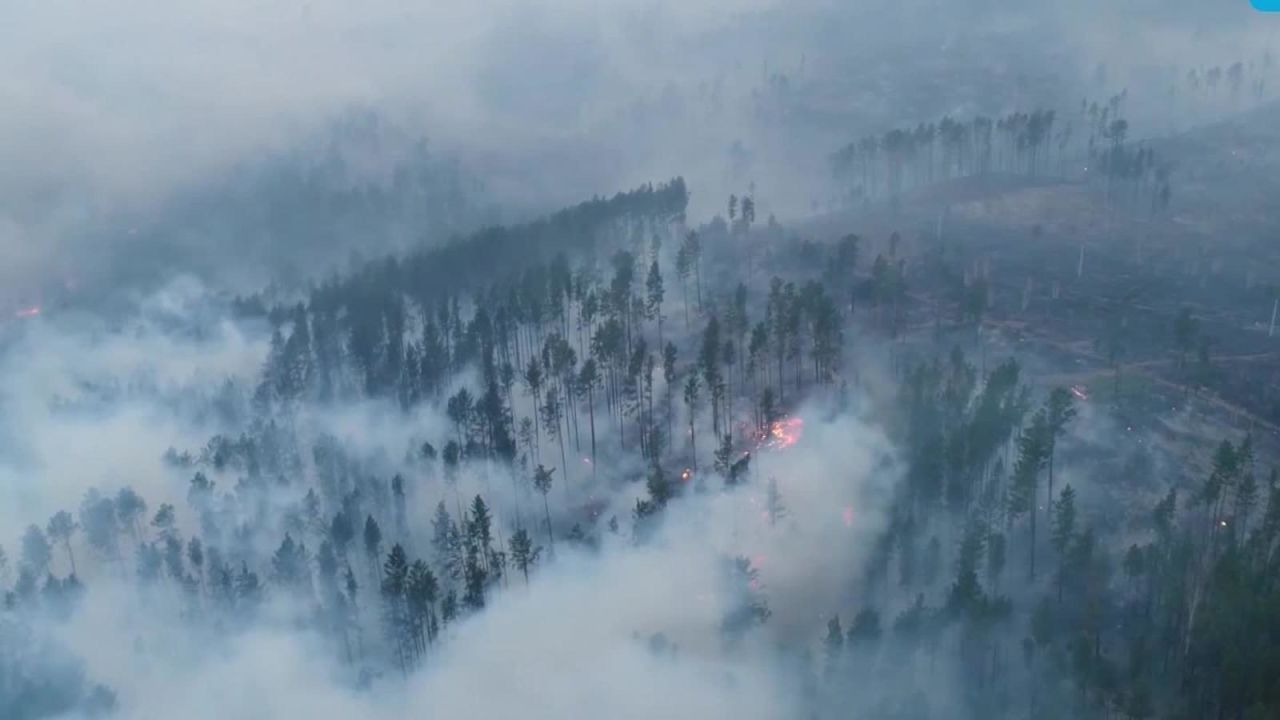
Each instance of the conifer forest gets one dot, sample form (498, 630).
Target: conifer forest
(548, 359)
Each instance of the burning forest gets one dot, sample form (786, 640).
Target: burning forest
(642, 359)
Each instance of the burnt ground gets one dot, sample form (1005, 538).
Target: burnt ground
(1104, 324)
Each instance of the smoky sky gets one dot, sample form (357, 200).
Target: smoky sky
(111, 113)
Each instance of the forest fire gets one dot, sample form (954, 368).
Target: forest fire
(27, 312)
(1080, 392)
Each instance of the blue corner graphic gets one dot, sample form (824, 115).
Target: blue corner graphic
(1266, 5)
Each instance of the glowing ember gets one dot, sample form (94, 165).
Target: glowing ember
(1080, 392)
(782, 434)
(686, 474)
(847, 516)
(27, 312)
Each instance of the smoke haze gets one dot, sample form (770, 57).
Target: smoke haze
(349, 417)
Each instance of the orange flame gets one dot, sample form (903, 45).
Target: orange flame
(782, 434)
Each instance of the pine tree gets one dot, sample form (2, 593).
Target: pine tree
(833, 645)
(773, 502)
(1032, 454)
(372, 545)
(588, 381)
(395, 573)
(100, 524)
(691, 405)
(865, 629)
(341, 532)
(1060, 410)
(542, 483)
(422, 590)
(654, 297)
(552, 413)
(996, 552)
(709, 364)
(446, 540)
(36, 551)
(195, 556)
(747, 607)
(474, 579)
(524, 552)
(480, 528)
(724, 456)
(165, 520)
(398, 493)
(248, 592)
(533, 381)
(684, 264)
(290, 566)
(60, 529)
(449, 608)
(1064, 526)
(130, 508)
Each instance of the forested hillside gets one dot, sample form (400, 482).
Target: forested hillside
(564, 386)
(646, 359)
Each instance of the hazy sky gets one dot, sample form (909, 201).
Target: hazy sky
(108, 112)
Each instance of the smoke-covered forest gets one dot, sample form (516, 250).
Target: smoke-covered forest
(640, 359)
